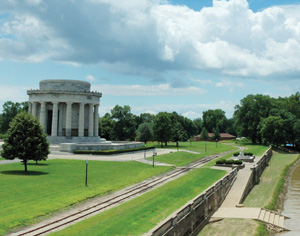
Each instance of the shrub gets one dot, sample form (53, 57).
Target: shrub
(110, 152)
(230, 162)
(221, 162)
(236, 154)
(238, 162)
(248, 153)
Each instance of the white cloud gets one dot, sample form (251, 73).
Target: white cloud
(143, 90)
(12, 93)
(90, 78)
(201, 81)
(152, 36)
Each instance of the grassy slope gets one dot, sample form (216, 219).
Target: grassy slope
(184, 158)
(261, 195)
(56, 184)
(141, 214)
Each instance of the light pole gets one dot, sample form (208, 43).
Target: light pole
(216, 143)
(145, 152)
(86, 171)
(153, 157)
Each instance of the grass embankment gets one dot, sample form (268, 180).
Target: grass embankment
(265, 194)
(141, 214)
(184, 158)
(57, 184)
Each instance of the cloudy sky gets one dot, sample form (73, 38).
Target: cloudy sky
(186, 56)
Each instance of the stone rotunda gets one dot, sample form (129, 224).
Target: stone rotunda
(67, 110)
(69, 114)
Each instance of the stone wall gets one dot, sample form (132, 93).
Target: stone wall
(257, 171)
(193, 216)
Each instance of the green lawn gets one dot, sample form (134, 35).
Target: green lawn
(56, 184)
(141, 214)
(184, 158)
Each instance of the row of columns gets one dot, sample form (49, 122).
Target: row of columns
(93, 118)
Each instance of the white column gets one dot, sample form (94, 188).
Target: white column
(34, 109)
(43, 116)
(54, 119)
(96, 120)
(91, 120)
(30, 108)
(69, 119)
(81, 120)
(60, 118)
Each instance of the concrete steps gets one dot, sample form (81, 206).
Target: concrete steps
(273, 218)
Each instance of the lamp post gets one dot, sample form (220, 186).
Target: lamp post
(216, 142)
(153, 157)
(145, 152)
(86, 171)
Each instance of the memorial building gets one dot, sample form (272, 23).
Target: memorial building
(67, 110)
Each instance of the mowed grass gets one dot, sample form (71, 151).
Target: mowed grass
(56, 184)
(263, 194)
(184, 158)
(141, 214)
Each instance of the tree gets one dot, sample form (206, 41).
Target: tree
(213, 119)
(272, 130)
(162, 128)
(204, 134)
(25, 140)
(216, 134)
(145, 132)
(125, 125)
(250, 113)
(178, 133)
(10, 110)
(198, 125)
(106, 124)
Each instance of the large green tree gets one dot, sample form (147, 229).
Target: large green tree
(249, 114)
(10, 110)
(125, 125)
(25, 140)
(145, 132)
(272, 130)
(162, 128)
(204, 134)
(106, 124)
(214, 119)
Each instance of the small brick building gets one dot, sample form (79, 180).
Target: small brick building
(224, 136)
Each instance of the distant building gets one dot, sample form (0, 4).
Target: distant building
(224, 136)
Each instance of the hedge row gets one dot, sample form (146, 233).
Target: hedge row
(110, 152)
(245, 153)
(229, 162)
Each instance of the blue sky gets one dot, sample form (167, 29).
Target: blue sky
(153, 55)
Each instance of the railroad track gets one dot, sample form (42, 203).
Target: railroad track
(126, 195)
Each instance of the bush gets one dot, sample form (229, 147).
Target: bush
(221, 162)
(248, 153)
(236, 154)
(230, 162)
(110, 152)
(238, 162)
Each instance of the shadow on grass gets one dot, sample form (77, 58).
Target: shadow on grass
(39, 164)
(22, 172)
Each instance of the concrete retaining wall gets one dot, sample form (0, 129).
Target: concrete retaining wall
(257, 171)
(193, 216)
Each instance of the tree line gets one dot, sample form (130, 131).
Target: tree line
(260, 118)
